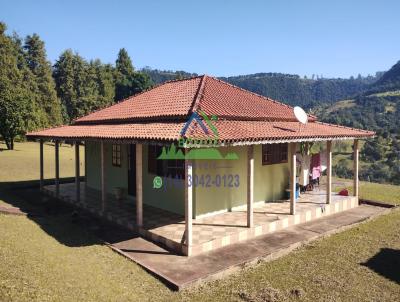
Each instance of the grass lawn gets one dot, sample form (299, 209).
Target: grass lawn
(369, 190)
(51, 256)
(22, 164)
(386, 193)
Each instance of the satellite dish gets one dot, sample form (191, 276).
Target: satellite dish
(300, 115)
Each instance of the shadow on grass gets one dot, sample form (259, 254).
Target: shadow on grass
(11, 185)
(68, 225)
(386, 263)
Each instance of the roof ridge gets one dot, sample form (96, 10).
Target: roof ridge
(184, 79)
(258, 95)
(199, 94)
(135, 95)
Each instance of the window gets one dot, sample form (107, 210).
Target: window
(161, 167)
(116, 155)
(274, 154)
(176, 168)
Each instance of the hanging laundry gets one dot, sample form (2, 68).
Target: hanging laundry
(324, 160)
(305, 161)
(315, 166)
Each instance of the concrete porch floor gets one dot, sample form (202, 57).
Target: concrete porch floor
(209, 233)
(180, 271)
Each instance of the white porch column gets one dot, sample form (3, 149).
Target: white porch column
(139, 185)
(329, 172)
(292, 147)
(188, 204)
(355, 168)
(41, 165)
(57, 164)
(77, 172)
(103, 176)
(250, 185)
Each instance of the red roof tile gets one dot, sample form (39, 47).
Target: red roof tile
(239, 131)
(229, 131)
(147, 131)
(179, 98)
(161, 113)
(170, 99)
(230, 102)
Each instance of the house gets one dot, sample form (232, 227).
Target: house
(198, 163)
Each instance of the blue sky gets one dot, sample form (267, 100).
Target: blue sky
(221, 38)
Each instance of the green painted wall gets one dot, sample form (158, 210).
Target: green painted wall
(214, 198)
(171, 199)
(116, 176)
(270, 181)
(92, 160)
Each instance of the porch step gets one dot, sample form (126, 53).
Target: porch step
(219, 239)
(258, 230)
(181, 272)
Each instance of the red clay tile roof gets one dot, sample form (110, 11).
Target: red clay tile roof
(170, 99)
(230, 132)
(230, 102)
(160, 114)
(240, 131)
(145, 131)
(178, 99)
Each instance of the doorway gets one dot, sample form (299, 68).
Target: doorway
(132, 170)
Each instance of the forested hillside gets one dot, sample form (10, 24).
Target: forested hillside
(377, 109)
(304, 92)
(161, 76)
(35, 95)
(288, 88)
(389, 81)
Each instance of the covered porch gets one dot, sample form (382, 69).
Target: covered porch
(190, 236)
(208, 233)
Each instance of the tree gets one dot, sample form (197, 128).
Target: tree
(123, 64)
(127, 81)
(105, 85)
(372, 151)
(64, 75)
(83, 87)
(14, 104)
(47, 99)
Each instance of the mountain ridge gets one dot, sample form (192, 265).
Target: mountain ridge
(287, 88)
(378, 109)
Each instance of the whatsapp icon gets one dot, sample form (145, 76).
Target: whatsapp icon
(157, 182)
